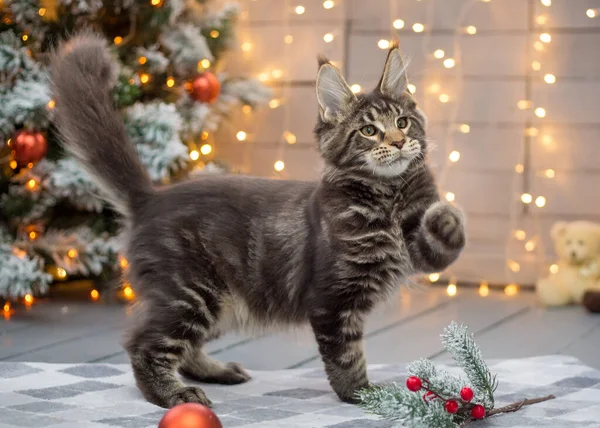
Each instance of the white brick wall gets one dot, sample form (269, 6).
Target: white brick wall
(497, 74)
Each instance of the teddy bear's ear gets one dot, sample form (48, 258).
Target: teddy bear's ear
(558, 229)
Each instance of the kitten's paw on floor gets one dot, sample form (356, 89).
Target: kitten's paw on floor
(189, 394)
(231, 374)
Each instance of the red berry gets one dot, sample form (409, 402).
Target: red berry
(413, 383)
(466, 393)
(451, 406)
(429, 396)
(478, 411)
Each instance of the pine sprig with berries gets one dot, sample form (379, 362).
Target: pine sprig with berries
(437, 398)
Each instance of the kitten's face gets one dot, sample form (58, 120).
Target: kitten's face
(380, 133)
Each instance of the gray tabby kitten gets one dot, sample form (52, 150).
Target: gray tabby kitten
(235, 253)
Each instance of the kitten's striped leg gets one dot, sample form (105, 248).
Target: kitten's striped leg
(341, 347)
(439, 239)
(175, 326)
(200, 367)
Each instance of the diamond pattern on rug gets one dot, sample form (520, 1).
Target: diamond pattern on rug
(104, 396)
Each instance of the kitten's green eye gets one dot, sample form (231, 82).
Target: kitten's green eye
(368, 130)
(402, 122)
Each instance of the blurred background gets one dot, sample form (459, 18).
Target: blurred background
(510, 88)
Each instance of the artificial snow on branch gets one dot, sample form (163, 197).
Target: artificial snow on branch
(187, 46)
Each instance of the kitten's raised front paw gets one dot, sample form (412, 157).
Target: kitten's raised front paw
(189, 394)
(445, 224)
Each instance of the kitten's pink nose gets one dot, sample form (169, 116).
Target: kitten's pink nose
(399, 143)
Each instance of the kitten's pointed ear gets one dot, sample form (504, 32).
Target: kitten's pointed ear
(333, 93)
(394, 81)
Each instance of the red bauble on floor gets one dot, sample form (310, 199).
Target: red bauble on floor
(190, 415)
(29, 146)
(205, 87)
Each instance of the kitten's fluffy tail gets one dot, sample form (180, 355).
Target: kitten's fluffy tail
(82, 72)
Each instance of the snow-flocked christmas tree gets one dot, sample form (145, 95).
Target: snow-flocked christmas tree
(173, 94)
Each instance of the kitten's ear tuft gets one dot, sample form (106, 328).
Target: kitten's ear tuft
(333, 93)
(394, 81)
(322, 60)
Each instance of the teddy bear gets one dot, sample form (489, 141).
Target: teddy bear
(578, 248)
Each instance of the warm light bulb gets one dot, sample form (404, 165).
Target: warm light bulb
(546, 37)
(484, 289)
(439, 53)
(155, 2)
(450, 197)
(356, 88)
(214, 34)
(31, 184)
(511, 289)
(247, 109)
(524, 104)
(33, 235)
(530, 245)
(170, 82)
(540, 201)
(536, 65)
(118, 40)
(465, 128)
(206, 149)
(538, 46)
(328, 4)
(72, 253)
(328, 38)
(289, 137)
(418, 27)
(288, 39)
(398, 24)
(276, 74)
(532, 131)
(123, 262)
(274, 103)
(300, 10)
(6, 307)
(383, 44)
(550, 173)
(13, 164)
(471, 29)
(434, 88)
(246, 46)
(128, 292)
(142, 60)
(279, 166)
(554, 268)
(24, 37)
(591, 13)
(546, 3)
(144, 78)
(194, 155)
(42, 11)
(444, 98)
(520, 234)
(28, 299)
(540, 112)
(451, 289)
(411, 88)
(541, 19)
(547, 140)
(434, 277)
(514, 266)
(549, 78)
(61, 273)
(204, 63)
(519, 168)
(449, 62)
(241, 135)
(94, 294)
(454, 156)
(526, 198)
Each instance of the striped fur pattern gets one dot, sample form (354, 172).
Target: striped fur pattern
(239, 253)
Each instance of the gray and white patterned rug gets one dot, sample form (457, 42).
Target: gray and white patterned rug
(104, 395)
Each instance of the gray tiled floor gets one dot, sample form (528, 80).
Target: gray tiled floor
(406, 328)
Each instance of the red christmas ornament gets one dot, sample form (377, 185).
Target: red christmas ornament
(413, 383)
(429, 396)
(29, 146)
(451, 406)
(205, 87)
(190, 415)
(478, 411)
(466, 393)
